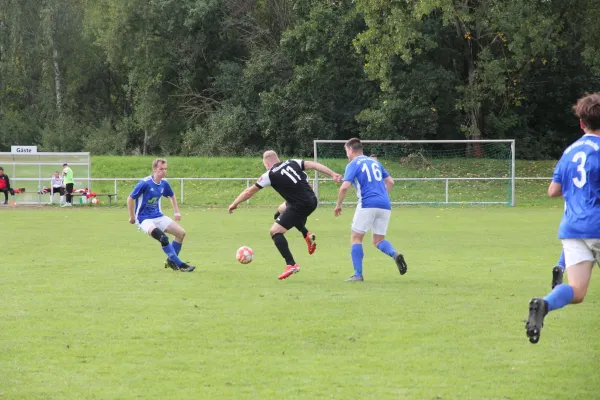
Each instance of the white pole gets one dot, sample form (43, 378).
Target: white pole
(115, 190)
(446, 190)
(89, 171)
(247, 186)
(181, 191)
(316, 184)
(40, 183)
(514, 174)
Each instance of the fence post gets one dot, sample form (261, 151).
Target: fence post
(181, 190)
(115, 190)
(247, 186)
(446, 190)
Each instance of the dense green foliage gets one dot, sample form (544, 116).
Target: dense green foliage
(232, 77)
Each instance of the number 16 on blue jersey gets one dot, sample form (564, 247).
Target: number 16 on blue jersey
(367, 176)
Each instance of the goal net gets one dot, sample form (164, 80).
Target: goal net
(33, 172)
(430, 172)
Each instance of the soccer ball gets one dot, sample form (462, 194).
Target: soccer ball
(244, 255)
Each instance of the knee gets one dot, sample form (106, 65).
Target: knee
(578, 299)
(376, 242)
(273, 232)
(578, 295)
(160, 236)
(181, 235)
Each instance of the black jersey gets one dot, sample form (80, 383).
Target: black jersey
(291, 182)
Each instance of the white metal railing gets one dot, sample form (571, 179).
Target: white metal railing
(248, 181)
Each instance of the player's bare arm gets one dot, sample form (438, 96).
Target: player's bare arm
(130, 207)
(321, 168)
(176, 213)
(389, 183)
(555, 189)
(245, 195)
(341, 196)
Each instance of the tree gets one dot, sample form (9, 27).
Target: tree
(490, 46)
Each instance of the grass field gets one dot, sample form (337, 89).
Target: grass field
(221, 193)
(89, 312)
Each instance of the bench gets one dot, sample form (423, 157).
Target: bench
(109, 195)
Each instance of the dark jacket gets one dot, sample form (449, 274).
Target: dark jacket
(6, 183)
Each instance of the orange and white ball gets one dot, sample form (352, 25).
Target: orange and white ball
(245, 255)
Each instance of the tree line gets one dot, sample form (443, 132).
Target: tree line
(232, 77)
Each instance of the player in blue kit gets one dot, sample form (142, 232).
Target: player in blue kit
(576, 178)
(145, 212)
(373, 183)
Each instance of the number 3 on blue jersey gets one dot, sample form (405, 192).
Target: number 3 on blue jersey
(376, 171)
(582, 180)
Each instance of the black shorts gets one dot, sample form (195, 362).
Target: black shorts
(294, 215)
(60, 190)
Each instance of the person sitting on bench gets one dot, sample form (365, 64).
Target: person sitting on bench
(5, 185)
(58, 186)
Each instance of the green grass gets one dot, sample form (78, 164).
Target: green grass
(249, 167)
(89, 312)
(221, 193)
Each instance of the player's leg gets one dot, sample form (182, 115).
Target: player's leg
(558, 271)
(169, 226)
(69, 187)
(361, 224)
(301, 226)
(159, 235)
(5, 191)
(357, 254)
(285, 222)
(579, 259)
(176, 230)
(309, 237)
(280, 210)
(380, 225)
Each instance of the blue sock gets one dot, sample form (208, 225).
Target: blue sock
(559, 297)
(561, 261)
(171, 254)
(387, 248)
(176, 246)
(357, 258)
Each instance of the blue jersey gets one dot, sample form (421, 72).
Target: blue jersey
(578, 172)
(367, 176)
(147, 195)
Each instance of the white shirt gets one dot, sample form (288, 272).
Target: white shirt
(57, 182)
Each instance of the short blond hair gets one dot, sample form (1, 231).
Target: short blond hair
(270, 154)
(158, 161)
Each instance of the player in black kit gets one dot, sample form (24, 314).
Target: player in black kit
(291, 182)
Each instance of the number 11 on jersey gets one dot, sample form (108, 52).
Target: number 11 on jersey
(290, 169)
